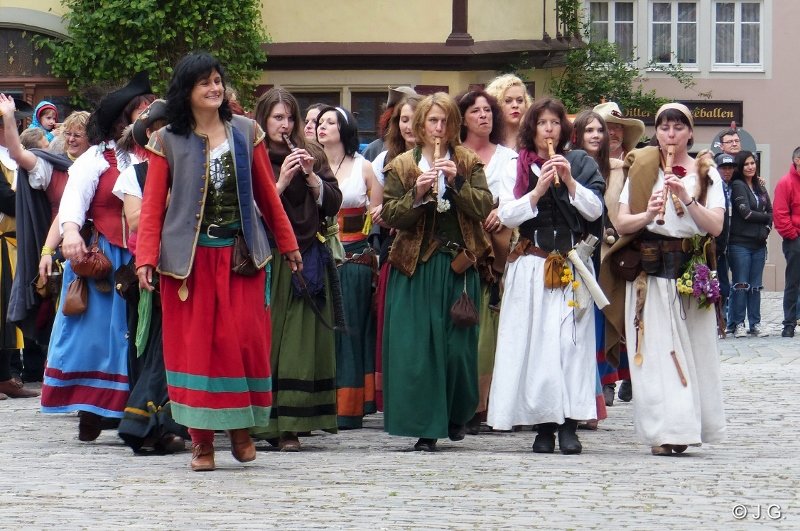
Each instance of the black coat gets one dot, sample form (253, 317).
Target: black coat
(751, 216)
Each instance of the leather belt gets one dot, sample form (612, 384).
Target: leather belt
(215, 231)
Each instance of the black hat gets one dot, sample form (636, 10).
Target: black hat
(723, 159)
(154, 112)
(112, 105)
(22, 109)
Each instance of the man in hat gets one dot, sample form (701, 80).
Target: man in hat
(623, 133)
(10, 336)
(396, 95)
(725, 165)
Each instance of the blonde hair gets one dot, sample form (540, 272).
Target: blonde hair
(452, 134)
(499, 85)
(77, 119)
(31, 138)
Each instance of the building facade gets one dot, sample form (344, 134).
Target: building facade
(347, 53)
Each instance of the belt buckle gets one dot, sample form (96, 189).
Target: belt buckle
(453, 246)
(208, 229)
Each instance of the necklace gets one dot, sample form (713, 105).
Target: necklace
(336, 173)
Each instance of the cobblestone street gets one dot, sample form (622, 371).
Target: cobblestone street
(365, 479)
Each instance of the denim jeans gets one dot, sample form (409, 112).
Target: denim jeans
(747, 269)
(791, 250)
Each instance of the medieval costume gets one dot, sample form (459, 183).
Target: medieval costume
(429, 363)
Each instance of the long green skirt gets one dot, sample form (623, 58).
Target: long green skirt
(487, 344)
(355, 348)
(303, 360)
(429, 365)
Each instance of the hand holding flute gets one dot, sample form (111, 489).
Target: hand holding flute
(668, 158)
(551, 152)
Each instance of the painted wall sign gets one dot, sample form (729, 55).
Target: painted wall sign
(705, 112)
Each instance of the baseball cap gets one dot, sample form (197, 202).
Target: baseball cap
(723, 159)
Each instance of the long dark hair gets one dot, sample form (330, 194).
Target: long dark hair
(190, 69)
(580, 124)
(393, 142)
(468, 100)
(527, 130)
(348, 128)
(270, 99)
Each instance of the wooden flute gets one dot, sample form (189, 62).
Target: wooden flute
(551, 152)
(670, 155)
(437, 153)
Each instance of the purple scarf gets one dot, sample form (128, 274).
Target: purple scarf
(524, 161)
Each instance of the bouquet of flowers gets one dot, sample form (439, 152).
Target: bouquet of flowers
(698, 280)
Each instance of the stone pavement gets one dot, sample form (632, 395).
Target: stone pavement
(364, 479)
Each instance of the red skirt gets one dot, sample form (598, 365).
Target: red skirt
(217, 345)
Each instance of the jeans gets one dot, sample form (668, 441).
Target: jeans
(791, 250)
(747, 269)
(723, 274)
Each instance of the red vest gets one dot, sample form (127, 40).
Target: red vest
(106, 208)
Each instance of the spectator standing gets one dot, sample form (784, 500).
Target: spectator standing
(750, 225)
(787, 223)
(726, 164)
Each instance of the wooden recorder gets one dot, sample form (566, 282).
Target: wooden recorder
(668, 158)
(551, 152)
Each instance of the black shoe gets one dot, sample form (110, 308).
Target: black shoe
(456, 432)
(425, 445)
(788, 331)
(608, 394)
(625, 391)
(568, 441)
(473, 427)
(545, 441)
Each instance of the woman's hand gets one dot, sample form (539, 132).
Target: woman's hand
(492, 222)
(305, 160)
(448, 167)
(73, 247)
(676, 186)
(376, 215)
(295, 260)
(292, 166)
(145, 274)
(46, 265)
(425, 182)
(7, 106)
(654, 205)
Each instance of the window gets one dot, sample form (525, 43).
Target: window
(673, 29)
(367, 108)
(737, 33)
(304, 99)
(612, 21)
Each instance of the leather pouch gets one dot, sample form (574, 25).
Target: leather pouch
(463, 261)
(77, 298)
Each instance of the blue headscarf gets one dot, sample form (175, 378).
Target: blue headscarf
(43, 106)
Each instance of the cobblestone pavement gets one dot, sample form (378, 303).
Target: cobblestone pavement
(364, 479)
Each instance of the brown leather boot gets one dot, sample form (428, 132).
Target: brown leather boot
(13, 389)
(242, 446)
(203, 457)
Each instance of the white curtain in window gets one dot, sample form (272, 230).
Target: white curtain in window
(725, 27)
(751, 33)
(623, 28)
(687, 32)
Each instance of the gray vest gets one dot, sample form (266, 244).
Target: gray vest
(189, 179)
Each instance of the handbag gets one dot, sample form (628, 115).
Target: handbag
(626, 263)
(242, 263)
(94, 263)
(77, 298)
(463, 312)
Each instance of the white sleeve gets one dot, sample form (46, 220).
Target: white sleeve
(39, 177)
(377, 167)
(127, 184)
(84, 175)
(514, 213)
(586, 203)
(623, 196)
(715, 196)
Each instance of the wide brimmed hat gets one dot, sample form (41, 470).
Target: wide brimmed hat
(634, 129)
(398, 93)
(154, 112)
(22, 109)
(112, 105)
